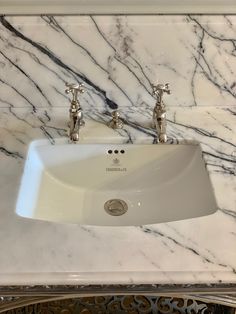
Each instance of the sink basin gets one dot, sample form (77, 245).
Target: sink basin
(114, 185)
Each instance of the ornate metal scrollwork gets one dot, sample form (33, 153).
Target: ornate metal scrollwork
(141, 304)
(118, 305)
(134, 296)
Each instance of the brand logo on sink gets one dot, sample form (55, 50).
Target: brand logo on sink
(116, 166)
(116, 161)
(118, 169)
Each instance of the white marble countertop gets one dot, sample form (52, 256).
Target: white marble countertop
(194, 251)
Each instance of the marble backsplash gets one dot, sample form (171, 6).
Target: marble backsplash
(117, 58)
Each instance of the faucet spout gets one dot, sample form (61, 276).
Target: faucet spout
(159, 119)
(76, 121)
(159, 112)
(76, 112)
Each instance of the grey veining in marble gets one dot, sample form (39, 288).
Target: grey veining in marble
(192, 251)
(118, 58)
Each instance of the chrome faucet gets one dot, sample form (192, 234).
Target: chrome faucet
(116, 122)
(76, 112)
(159, 112)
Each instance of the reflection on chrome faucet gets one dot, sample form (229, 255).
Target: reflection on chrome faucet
(159, 112)
(116, 122)
(76, 112)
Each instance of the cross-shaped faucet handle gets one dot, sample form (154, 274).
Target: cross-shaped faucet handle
(74, 89)
(160, 89)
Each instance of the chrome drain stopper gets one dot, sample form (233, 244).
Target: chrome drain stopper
(116, 207)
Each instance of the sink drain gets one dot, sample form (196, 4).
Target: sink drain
(116, 207)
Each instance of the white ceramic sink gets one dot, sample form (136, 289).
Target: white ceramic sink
(141, 184)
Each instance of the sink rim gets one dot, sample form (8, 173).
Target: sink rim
(64, 142)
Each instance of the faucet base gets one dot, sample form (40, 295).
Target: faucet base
(82, 123)
(74, 137)
(116, 122)
(116, 125)
(162, 138)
